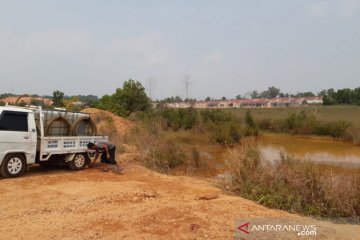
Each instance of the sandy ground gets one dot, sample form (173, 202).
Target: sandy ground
(140, 204)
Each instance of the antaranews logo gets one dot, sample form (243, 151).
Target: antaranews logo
(274, 228)
(244, 228)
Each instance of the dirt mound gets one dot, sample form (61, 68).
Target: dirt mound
(141, 204)
(109, 123)
(26, 100)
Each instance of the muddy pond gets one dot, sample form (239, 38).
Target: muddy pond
(321, 150)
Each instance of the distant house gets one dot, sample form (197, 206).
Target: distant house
(250, 103)
(179, 105)
(314, 100)
(201, 104)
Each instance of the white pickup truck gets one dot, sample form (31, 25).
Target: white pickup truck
(22, 142)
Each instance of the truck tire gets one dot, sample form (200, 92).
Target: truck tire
(79, 162)
(14, 165)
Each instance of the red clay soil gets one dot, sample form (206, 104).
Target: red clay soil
(140, 204)
(26, 100)
(109, 123)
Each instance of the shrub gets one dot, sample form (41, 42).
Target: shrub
(251, 128)
(180, 118)
(293, 185)
(216, 116)
(156, 151)
(164, 156)
(243, 161)
(301, 123)
(224, 127)
(225, 132)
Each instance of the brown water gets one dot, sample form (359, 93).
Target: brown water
(317, 149)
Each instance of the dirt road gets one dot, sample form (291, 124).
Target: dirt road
(141, 204)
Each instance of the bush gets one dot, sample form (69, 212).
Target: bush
(164, 156)
(251, 128)
(224, 127)
(156, 151)
(180, 118)
(307, 123)
(336, 129)
(216, 116)
(225, 133)
(301, 123)
(293, 185)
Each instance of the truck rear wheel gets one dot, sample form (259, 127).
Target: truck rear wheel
(79, 162)
(14, 165)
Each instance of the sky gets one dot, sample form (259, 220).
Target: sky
(223, 47)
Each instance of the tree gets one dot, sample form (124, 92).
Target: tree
(305, 94)
(356, 96)
(322, 93)
(208, 99)
(238, 97)
(106, 103)
(124, 101)
(272, 92)
(254, 94)
(58, 98)
(344, 96)
(73, 104)
(329, 100)
(330, 91)
(178, 99)
(223, 98)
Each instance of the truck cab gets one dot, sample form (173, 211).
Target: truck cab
(18, 140)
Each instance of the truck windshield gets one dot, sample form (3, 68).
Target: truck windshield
(13, 121)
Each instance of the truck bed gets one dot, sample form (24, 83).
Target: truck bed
(64, 145)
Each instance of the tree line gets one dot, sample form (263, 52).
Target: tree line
(342, 96)
(132, 97)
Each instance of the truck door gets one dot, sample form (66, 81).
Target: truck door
(14, 133)
(33, 137)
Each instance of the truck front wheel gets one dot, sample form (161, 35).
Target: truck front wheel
(14, 165)
(78, 163)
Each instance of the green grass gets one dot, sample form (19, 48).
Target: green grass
(326, 114)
